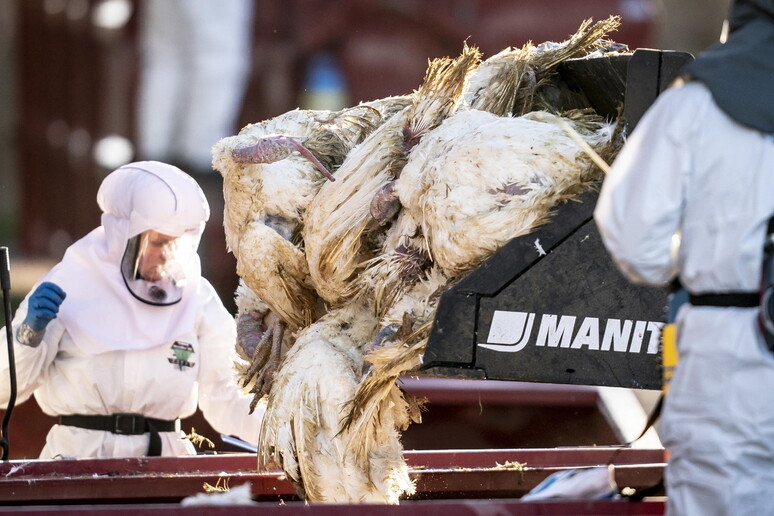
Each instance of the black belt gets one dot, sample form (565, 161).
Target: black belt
(124, 424)
(737, 299)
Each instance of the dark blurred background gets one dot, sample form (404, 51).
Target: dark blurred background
(88, 85)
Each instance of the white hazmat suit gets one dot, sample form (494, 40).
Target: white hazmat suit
(109, 352)
(688, 169)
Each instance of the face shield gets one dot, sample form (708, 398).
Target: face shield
(155, 266)
(153, 218)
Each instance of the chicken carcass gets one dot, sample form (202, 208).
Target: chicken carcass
(302, 429)
(423, 199)
(271, 172)
(336, 234)
(470, 186)
(480, 180)
(271, 196)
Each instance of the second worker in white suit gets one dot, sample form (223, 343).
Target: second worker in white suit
(699, 166)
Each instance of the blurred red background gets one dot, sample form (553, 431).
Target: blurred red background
(76, 84)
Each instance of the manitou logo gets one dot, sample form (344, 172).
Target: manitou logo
(512, 331)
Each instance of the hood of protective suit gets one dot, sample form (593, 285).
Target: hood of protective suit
(149, 195)
(101, 311)
(739, 72)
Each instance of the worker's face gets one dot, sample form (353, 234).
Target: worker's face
(156, 266)
(156, 250)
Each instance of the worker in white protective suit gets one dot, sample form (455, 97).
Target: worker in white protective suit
(124, 336)
(689, 196)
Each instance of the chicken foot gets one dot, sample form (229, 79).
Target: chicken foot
(270, 149)
(250, 330)
(260, 336)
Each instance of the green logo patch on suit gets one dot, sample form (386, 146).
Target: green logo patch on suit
(181, 352)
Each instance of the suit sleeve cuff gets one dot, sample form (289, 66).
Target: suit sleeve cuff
(29, 337)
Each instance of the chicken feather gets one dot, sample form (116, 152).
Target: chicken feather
(508, 82)
(466, 181)
(340, 215)
(310, 409)
(480, 180)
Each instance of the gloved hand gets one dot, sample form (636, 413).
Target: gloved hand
(44, 305)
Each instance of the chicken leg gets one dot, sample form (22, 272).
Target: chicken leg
(259, 336)
(270, 149)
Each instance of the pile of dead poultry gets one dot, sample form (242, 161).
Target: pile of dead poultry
(347, 226)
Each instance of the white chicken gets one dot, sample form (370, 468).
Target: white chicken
(302, 429)
(480, 180)
(441, 181)
(470, 186)
(396, 349)
(271, 172)
(336, 233)
(269, 193)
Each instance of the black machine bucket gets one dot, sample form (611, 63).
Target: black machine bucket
(551, 306)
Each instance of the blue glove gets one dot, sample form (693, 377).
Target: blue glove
(43, 305)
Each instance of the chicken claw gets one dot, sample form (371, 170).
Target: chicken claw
(263, 382)
(250, 330)
(270, 149)
(259, 340)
